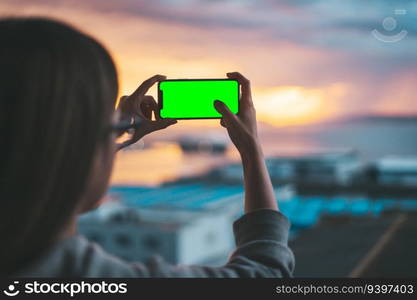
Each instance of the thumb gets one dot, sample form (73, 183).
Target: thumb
(223, 109)
(162, 123)
(168, 122)
(229, 119)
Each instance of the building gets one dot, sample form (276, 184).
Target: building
(184, 223)
(328, 168)
(339, 167)
(191, 223)
(179, 237)
(397, 171)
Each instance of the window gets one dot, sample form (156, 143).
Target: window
(151, 242)
(123, 240)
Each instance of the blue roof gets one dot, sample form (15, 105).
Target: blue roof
(185, 196)
(307, 212)
(336, 206)
(408, 205)
(360, 207)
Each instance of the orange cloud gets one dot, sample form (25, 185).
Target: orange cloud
(294, 105)
(398, 95)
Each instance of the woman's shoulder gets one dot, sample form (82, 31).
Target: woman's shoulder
(78, 257)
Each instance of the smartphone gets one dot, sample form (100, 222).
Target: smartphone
(194, 98)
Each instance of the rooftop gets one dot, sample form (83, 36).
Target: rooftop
(316, 156)
(397, 164)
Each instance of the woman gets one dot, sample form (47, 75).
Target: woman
(58, 90)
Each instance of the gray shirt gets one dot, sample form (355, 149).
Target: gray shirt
(262, 251)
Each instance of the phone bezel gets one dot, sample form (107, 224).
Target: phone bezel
(160, 97)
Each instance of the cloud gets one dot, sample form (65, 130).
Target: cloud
(306, 45)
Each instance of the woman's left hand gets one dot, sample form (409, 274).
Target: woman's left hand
(139, 107)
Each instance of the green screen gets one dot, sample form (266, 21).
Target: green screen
(183, 99)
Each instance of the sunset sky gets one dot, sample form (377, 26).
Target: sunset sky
(308, 60)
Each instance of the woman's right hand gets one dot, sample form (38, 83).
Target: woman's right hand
(242, 127)
(259, 192)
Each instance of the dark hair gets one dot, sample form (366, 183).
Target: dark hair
(58, 89)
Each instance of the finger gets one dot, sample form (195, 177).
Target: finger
(223, 109)
(245, 86)
(130, 107)
(222, 123)
(164, 123)
(124, 108)
(147, 84)
(123, 103)
(169, 122)
(124, 144)
(147, 106)
(158, 125)
(154, 107)
(228, 116)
